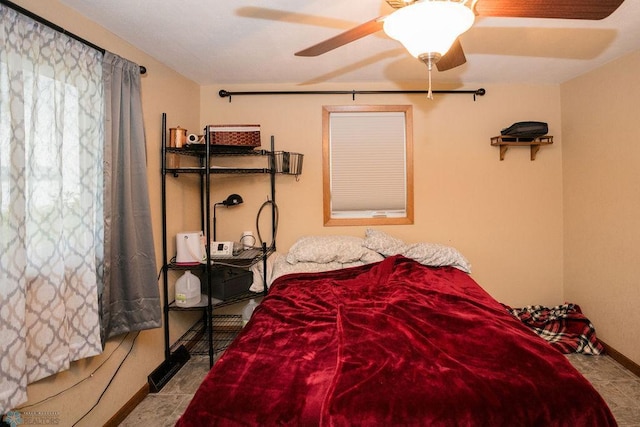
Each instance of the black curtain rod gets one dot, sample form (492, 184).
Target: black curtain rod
(226, 94)
(40, 19)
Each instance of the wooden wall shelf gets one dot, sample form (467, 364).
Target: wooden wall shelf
(506, 141)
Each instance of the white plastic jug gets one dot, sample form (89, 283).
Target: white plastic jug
(187, 290)
(247, 311)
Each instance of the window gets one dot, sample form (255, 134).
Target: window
(367, 165)
(60, 179)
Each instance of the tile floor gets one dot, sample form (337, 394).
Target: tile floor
(163, 408)
(619, 387)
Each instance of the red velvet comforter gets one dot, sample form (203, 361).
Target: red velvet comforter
(391, 343)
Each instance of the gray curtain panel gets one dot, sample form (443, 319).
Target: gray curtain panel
(130, 298)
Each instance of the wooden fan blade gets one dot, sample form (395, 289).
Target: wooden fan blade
(453, 58)
(563, 9)
(341, 39)
(397, 4)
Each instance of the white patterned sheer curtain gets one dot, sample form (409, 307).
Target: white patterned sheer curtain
(51, 184)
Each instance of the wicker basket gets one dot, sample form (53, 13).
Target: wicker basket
(235, 135)
(288, 163)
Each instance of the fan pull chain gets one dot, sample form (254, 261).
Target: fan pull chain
(429, 59)
(430, 92)
(429, 66)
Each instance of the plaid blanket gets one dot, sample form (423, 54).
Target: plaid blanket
(563, 326)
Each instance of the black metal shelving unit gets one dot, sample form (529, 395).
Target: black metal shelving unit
(215, 331)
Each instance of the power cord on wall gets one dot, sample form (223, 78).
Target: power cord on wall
(111, 380)
(79, 382)
(90, 376)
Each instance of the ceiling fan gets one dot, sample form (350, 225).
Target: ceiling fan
(429, 29)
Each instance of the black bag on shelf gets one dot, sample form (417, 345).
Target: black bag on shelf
(526, 130)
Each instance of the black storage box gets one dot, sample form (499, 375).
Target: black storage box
(227, 282)
(525, 130)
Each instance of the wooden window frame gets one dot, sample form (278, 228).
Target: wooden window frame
(326, 165)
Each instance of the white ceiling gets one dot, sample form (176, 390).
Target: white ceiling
(243, 41)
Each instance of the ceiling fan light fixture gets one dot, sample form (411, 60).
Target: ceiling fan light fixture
(429, 26)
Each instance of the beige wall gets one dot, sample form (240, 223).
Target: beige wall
(162, 90)
(504, 216)
(602, 199)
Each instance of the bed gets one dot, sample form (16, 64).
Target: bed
(391, 342)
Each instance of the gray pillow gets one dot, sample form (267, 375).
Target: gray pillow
(325, 249)
(431, 254)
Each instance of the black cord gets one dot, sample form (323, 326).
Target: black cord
(46, 399)
(275, 220)
(171, 261)
(133, 343)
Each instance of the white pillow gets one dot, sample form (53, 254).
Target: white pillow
(431, 254)
(325, 249)
(436, 255)
(383, 243)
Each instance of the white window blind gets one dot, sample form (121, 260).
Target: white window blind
(368, 164)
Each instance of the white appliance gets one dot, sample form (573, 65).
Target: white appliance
(190, 248)
(222, 249)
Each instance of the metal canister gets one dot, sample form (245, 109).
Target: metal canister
(177, 137)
